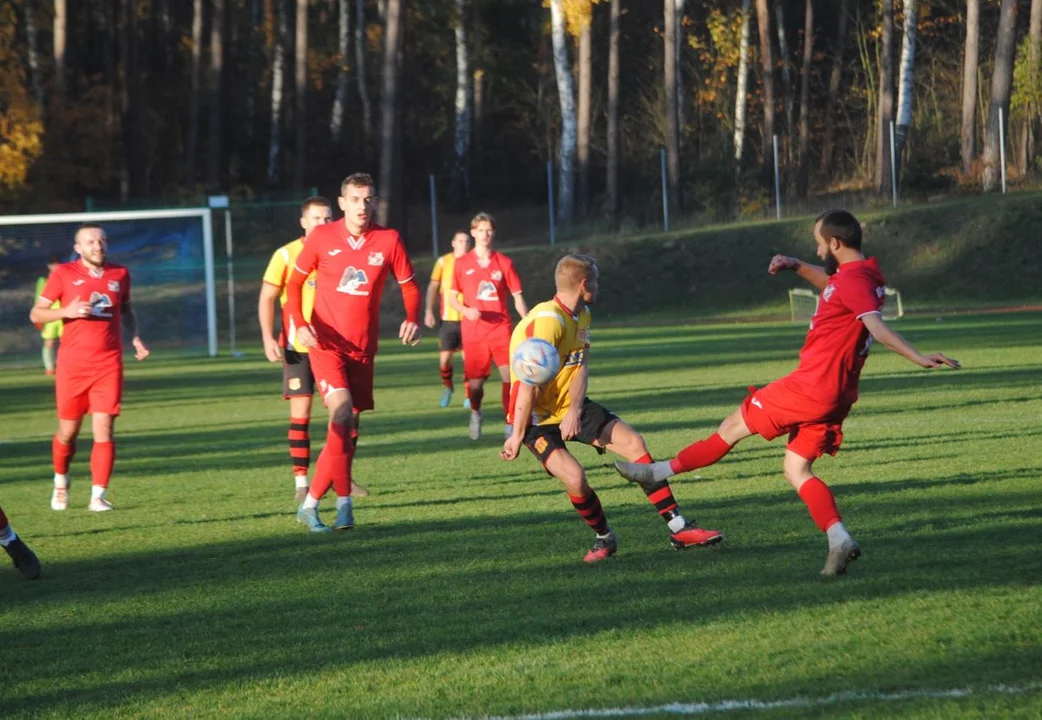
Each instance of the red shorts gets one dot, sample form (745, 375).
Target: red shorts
(480, 355)
(334, 371)
(813, 429)
(81, 389)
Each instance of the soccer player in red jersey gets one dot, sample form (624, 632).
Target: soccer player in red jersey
(351, 259)
(21, 555)
(810, 403)
(94, 297)
(485, 279)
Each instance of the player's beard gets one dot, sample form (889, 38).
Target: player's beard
(831, 264)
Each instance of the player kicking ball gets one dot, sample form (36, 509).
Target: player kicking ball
(24, 559)
(545, 418)
(810, 403)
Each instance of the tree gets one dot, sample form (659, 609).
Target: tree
(21, 131)
(583, 129)
(678, 46)
(59, 26)
(32, 55)
(461, 146)
(741, 94)
(1001, 85)
(278, 71)
(786, 73)
(1031, 121)
(193, 102)
(363, 92)
(669, 34)
(566, 98)
(905, 88)
(214, 147)
(886, 100)
(968, 135)
(129, 93)
(763, 22)
(835, 76)
(336, 118)
(300, 93)
(613, 113)
(804, 131)
(388, 109)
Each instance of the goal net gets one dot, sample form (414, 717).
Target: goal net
(804, 303)
(169, 254)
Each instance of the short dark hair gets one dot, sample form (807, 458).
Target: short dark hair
(314, 200)
(840, 225)
(90, 226)
(357, 180)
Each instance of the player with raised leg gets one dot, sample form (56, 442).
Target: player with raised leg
(450, 338)
(810, 403)
(545, 418)
(21, 555)
(351, 259)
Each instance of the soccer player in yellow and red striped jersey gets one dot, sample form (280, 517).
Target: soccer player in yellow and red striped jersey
(545, 418)
(450, 338)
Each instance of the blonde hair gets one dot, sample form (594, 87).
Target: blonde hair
(572, 270)
(482, 217)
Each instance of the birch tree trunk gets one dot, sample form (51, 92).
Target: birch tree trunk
(214, 149)
(336, 118)
(388, 110)
(1001, 85)
(804, 130)
(763, 25)
(787, 85)
(740, 99)
(129, 97)
(1031, 124)
(59, 29)
(678, 46)
(886, 100)
(669, 34)
(192, 150)
(300, 94)
(278, 72)
(33, 54)
(583, 145)
(968, 135)
(461, 145)
(363, 89)
(835, 77)
(905, 84)
(612, 179)
(566, 98)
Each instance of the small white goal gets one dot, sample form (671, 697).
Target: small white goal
(804, 303)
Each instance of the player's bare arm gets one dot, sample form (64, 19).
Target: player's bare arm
(457, 305)
(813, 274)
(522, 410)
(519, 304)
(571, 422)
(141, 350)
(882, 334)
(43, 313)
(432, 298)
(266, 316)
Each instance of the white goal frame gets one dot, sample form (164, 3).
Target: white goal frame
(803, 292)
(203, 213)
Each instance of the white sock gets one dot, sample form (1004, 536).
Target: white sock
(7, 536)
(837, 535)
(677, 524)
(97, 492)
(301, 481)
(310, 503)
(61, 481)
(342, 500)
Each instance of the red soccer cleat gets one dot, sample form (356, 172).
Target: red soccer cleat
(691, 535)
(604, 547)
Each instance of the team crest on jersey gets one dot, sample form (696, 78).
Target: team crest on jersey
(352, 282)
(376, 259)
(113, 285)
(487, 291)
(312, 284)
(881, 291)
(497, 275)
(294, 383)
(100, 305)
(540, 445)
(583, 335)
(826, 294)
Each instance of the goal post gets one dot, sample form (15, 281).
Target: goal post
(803, 304)
(161, 248)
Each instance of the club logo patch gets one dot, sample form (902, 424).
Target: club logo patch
(487, 291)
(376, 259)
(497, 275)
(826, 294)
(294, 383)
(540, 445)
(352, 282)
(113, 285)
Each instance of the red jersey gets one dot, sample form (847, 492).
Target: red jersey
(838, 342)
(350, 274)
(97, 337)
(488, 288)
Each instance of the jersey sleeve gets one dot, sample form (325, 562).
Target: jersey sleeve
(511, 278)
(307, 260)
(275, 274)
(438, 270)
(401, 266)
(548, 325)
(456, 281)
(859, 295)
(53, 288)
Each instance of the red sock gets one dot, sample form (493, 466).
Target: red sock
(504, 395)
(820, 503)
(699, 454)
(476, 395)
(102, 458)
(3, 520)
(446, 376)
(589, 508)
(300, 444)
(644, 459)
(339, 451)
(466, 389)
(62, 455)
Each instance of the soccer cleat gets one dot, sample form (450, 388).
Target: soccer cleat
(345, 518)
(358, 491)
(23, 558)
(466, 403)
(641, 473)
(603, 547)
(299, 495)
(508, 430)
(691, 535)
(99, 504)
(60, 499)
(839, 558)
(475, 425)
(446, 398)
(308, 517)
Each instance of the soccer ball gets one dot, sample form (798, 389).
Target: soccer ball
(535, 362)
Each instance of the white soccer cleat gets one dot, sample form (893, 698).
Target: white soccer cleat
(475, 425)
(60, 499)
(99, 504)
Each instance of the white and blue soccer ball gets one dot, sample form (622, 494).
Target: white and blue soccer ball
(535, 362)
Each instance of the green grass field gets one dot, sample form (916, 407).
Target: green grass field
(462, 592)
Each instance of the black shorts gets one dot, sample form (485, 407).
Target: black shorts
(449, 335)
(297, 378)
(542, 440)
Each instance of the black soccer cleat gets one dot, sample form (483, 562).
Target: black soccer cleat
(23, 558)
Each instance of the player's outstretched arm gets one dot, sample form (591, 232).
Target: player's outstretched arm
(813, 274)
(882, 333)
(266, 317)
